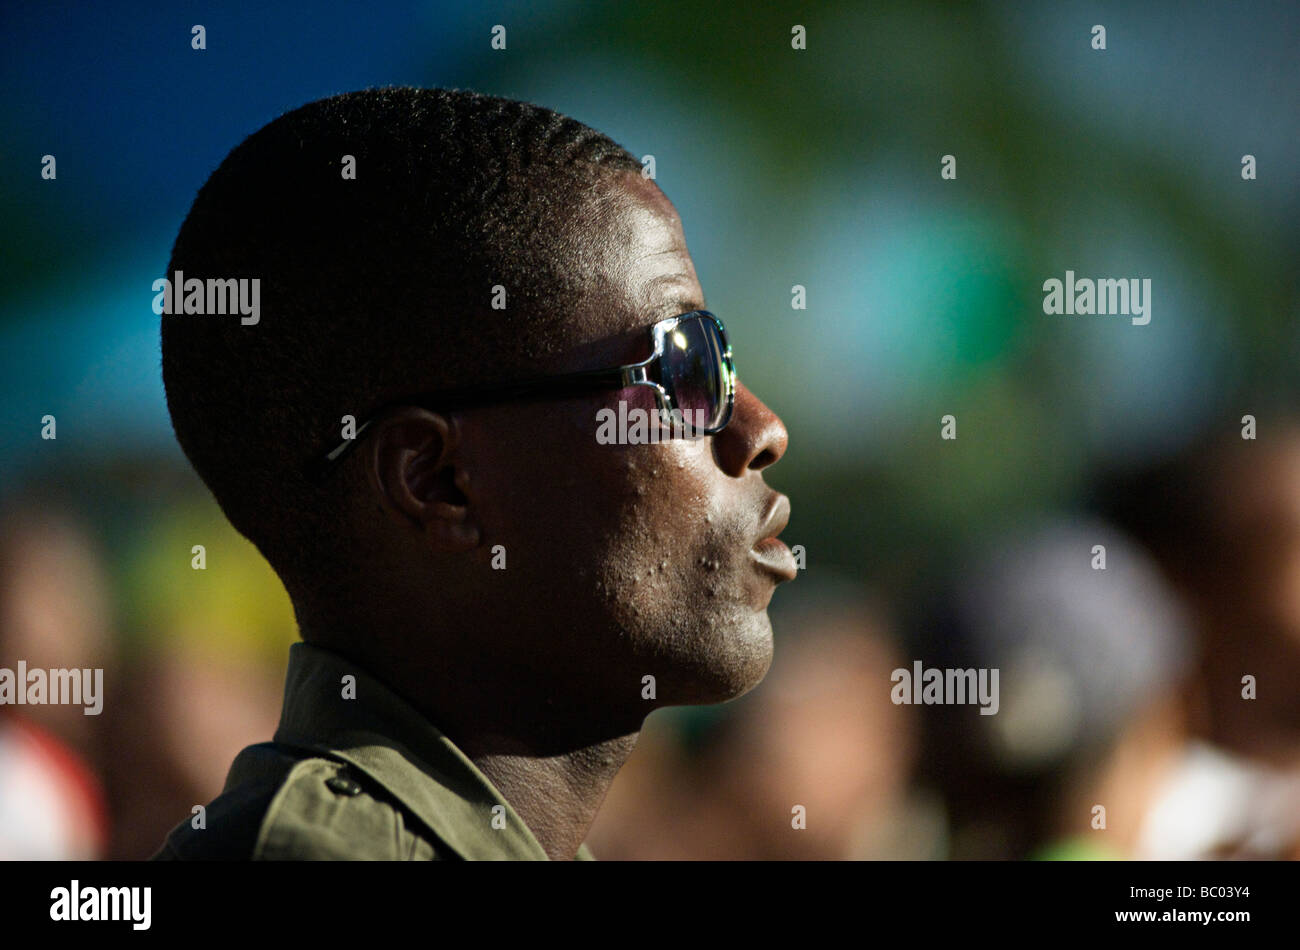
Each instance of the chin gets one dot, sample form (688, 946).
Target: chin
(726, 667)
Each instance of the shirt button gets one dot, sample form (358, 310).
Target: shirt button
(343, 785)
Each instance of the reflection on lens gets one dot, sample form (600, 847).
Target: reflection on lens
(694, 372)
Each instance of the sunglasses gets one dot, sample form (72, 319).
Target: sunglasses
(690, 374)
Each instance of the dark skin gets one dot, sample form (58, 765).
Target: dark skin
(622, 561)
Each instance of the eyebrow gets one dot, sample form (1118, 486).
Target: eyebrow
(680, 303)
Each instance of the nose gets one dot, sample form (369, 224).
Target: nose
(754, 438)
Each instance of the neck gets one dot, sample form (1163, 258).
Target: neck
(551, 765)
(551, 754)
(557, 796)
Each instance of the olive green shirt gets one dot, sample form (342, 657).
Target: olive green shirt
(353, 773)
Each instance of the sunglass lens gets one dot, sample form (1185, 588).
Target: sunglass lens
(694, 368)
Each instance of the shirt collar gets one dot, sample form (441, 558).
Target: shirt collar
(364, 723)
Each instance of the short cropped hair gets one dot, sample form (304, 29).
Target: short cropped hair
(372, 287)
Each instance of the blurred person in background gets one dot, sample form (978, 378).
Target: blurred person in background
(202, 672)
(1092, 663)
(185, 710)
(1223, 519)
(54, 614)
(821, 735)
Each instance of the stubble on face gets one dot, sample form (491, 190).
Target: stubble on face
(678, 583)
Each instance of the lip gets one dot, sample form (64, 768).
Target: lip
(770, 552)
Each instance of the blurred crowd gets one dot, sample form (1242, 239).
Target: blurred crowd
(1148, 646)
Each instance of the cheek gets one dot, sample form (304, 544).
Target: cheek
(566, 503)
(676, 538)
(645, 526)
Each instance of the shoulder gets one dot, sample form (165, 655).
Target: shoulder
(283, 804)
(326, 811)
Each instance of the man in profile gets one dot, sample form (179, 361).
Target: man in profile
(454, 290)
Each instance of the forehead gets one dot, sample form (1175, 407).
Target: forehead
(630, 251)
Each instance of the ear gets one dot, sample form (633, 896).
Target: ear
(415, 469)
